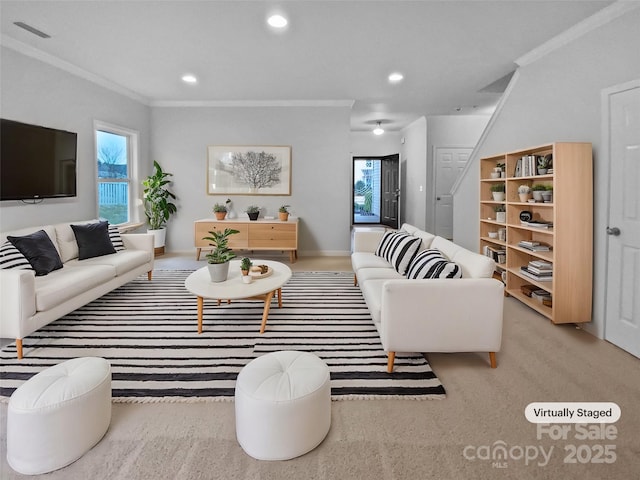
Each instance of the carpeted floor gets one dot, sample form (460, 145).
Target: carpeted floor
(396, 439)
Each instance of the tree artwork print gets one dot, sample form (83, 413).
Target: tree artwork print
(249, 170)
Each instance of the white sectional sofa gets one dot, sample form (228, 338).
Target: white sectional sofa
(435, 314)
(30, 301)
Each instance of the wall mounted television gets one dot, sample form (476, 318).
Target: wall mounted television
(36, 162)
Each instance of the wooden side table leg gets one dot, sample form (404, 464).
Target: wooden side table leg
(279, 298)
(265, 312)
(198, 250)
(200, 305)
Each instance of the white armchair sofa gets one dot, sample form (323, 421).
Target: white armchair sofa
(435, 314)
(29, 302)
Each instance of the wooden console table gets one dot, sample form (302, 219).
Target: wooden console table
(254, 235)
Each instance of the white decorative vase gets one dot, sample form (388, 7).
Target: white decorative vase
(498, 196)
(218, 271)
(501, 217)
(537, 195)
(159, 237)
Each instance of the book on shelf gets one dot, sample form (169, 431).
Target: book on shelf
(534, 246)
(541, 264)
(540, 271)
(547, 277)
(498, 255)
(525, 166)
(537, 224)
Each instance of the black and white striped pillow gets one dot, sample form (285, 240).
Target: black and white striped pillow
(116, 239)
(11, 257)
(431, 263)
(398, 248)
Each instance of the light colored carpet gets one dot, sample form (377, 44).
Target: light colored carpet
(397, 439)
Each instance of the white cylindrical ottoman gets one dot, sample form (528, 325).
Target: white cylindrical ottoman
(283, 405)
(58, 415)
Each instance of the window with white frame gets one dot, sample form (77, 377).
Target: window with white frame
(116, 157)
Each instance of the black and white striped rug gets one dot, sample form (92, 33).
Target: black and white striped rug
(148, 332)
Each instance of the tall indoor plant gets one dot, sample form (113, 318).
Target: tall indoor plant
(221, 254)
(157, 203)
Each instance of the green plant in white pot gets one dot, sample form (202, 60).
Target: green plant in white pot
(158, 206)
(221, 254)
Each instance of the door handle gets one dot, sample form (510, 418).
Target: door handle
(615, 231)
(437, 198)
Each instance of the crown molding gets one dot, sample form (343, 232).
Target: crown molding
(33, 52)
(595, 21)
(252, 103)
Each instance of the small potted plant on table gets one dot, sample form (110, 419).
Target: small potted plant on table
(245, 265)
(221, 254)
(283, 213)
(253, 211)
(220, 211)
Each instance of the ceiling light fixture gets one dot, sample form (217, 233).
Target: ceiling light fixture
(396, 77)
(378, 130)
(188, 78)
(277, 21)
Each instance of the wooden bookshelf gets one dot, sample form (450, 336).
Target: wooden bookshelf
(570, 237)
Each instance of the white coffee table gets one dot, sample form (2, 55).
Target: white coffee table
(199, 283)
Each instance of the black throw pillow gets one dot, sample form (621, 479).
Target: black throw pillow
(93, 240)
(39, 251)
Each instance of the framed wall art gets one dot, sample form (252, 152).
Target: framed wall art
(248, 170)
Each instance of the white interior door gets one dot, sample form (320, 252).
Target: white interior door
(449, 163)
(622, 324)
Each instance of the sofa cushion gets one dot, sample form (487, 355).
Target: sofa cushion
(67, 283)
(39, 251)
(116, 239)
(367, 260)
(66, 239)
(366, 274)
(431, 263)
(123, 261)
(473, 264)
(93, 240)
(12, 258)
(426, 237)
(398, 248)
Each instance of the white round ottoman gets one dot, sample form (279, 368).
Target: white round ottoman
(283, 405)
(57, 415)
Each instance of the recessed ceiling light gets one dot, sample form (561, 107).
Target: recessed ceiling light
(188, 78)
(396, 77)
(277, 21)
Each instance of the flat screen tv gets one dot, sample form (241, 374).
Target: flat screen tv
(36, 162)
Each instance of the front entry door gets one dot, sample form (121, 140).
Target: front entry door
(390, 191)
(622, 324)
(449, 163)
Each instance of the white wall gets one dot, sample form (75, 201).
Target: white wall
(459, 131)
(366, 143)
(414, 173)
(557, 98)
(321, 167)
(38, 93)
